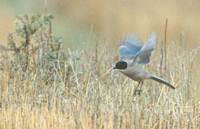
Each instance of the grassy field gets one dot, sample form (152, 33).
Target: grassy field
(46, 87)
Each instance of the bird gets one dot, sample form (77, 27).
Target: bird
(133, 55)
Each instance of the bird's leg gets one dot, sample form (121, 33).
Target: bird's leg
(135, 90)
(139, 91)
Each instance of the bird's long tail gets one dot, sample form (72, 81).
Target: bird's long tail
(153, 77)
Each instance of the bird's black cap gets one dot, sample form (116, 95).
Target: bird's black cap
(121, 65)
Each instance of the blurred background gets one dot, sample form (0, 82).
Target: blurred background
(83, 21)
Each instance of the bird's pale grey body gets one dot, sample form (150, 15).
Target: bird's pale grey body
(134, 55)
(136, 73)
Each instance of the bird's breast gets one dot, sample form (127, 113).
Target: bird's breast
(135, 73)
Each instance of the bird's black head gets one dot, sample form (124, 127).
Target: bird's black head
(121, 65)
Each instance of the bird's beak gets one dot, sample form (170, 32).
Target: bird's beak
(113, 66)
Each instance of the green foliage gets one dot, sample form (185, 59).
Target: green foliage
(34, 44)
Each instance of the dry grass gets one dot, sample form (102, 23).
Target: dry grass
(80, 92)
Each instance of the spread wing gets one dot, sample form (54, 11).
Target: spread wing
(143, 56)
(129, 47)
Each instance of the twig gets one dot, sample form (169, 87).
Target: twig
(165, 47)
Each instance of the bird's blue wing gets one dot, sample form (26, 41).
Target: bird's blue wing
(145, 52)
(129, 47)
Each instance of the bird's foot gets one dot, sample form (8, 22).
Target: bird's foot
(137, 92)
